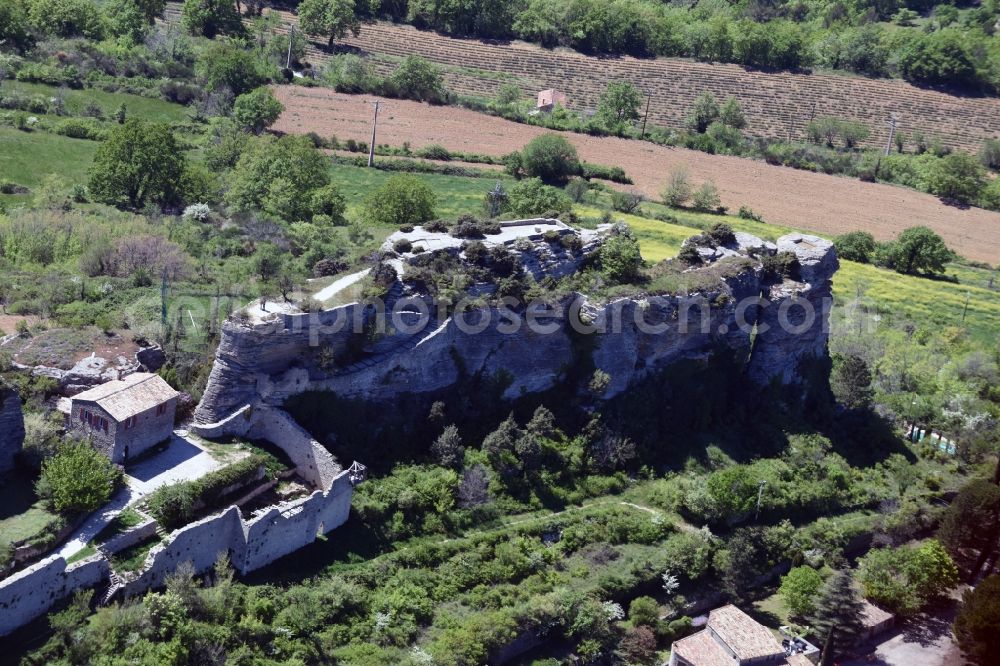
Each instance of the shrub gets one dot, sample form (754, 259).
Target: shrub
(530, 198)
(722, 233)
(80, 128)
(78, 479)
(626, 202)
(678, 188)
(855, 246)
(706, 198)
(403, 199)
(620, 256)
(958, 177)
(989, 154)
(402, 245)
(418, 79)
(551, 158)
(434, 152)
(780, 265)
(704, 112)
(577, 190)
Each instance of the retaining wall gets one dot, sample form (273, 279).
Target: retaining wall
(250, 543)
(29, 593)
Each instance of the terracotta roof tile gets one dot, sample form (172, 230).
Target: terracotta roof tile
(748, 638)
(130, 396)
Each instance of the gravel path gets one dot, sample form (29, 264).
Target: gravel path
(825, 204)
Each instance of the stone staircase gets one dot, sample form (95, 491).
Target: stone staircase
(108, 594)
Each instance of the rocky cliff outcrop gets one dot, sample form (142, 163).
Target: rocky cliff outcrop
(11, 427)
(768, 303)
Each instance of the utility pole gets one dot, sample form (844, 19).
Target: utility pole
(965, 310)
(371, 148)
(291, 38)
(760, 493)
(646, 116)
(892, 132)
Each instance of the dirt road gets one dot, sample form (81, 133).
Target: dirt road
(826, 204)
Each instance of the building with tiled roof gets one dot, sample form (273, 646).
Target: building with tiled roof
(123, 418)
(733, 638)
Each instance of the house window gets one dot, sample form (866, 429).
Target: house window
(130, 422)
(161, 409)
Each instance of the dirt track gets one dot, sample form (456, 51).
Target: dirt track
(825, 204)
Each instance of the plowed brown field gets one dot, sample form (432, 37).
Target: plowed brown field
(825, 204)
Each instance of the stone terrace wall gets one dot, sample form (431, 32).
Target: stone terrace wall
(250, 543)
(29, 593)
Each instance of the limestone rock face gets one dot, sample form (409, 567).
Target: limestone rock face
(796, 325)
(11, 427)
(759, 317)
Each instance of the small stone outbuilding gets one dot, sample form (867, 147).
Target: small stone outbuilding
(124, 418)
(548, 99)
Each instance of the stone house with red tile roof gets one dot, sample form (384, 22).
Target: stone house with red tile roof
(732, 638)
(124, 418)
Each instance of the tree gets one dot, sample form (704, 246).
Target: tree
(977, 625)
(678, 188)
(332, 19)
(620, 257)
(971, 525)
(851, 381)
(138, 163)
(839, 609)
(638, 645)
(127, 21)
(619, 104)
(704, 112)
(227, 67)
(279, 174)
(799, 589)
(417, 78)
(209, 18)
(904, 580)
(78, 479)
(731, 114)
(257, 110)
(448, 449)
(14, 24)
(937, 58)
(918, 249)
(268, 262)
(552, 158)
(706, 198)
(956, 177)
(66, 18)
(855, 246)
(403, 199)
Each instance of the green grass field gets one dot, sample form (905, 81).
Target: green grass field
(30, 156)
(76, 101)
(456, 194)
